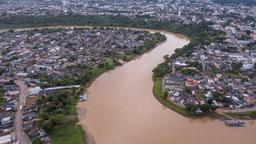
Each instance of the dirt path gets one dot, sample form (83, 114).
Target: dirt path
(240, 110)
(20, 134)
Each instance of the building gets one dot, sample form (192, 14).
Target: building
(7, 139)
(35, 91)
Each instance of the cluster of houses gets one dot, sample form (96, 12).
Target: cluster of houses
(59, 53)
(30, 124)
(186, 11)
(30, 111)
(221, 74)
(8, 94)
(201, 88)
(55, 54)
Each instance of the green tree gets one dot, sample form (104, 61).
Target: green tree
(166, 94)
(47, 125)
(236, 67)
(37, 141)
(218, 96)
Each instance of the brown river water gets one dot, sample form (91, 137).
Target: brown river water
(121, 109)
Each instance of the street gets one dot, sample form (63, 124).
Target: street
(20, 134)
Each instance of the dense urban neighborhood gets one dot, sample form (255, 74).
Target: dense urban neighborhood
(64, 54)
(43, 71)
(186, 11)
(42, 62)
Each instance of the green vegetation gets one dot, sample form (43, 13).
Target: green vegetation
(194, 31)
(161, 70)
(218, 96)
(188, 71)
(2, 100)
(58, 117)
(158, 37)
(196, 64)
(236, 67)
(243, 115)
(128, 57)
(2, 71)
(37, 141)
(70, 133)
(54, 107)
(148, 45)
(10, 82)
(205, 109)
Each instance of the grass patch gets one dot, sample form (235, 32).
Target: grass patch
(2, 100)
(128, 57)
(110, 61)
(72, 110)
(98, 71)
(233, 75)
(71, 133)
(157, 90)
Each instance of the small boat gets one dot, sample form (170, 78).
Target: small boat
(234, 123)
(83, 98)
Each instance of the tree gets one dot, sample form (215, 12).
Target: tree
(166, 94)
(218, 96)
(37, 141)
(253, 114)
(161, 70)
(47, 125)
(2, 71)
(166, 57)
(236, 67)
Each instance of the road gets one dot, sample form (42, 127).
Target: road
(221, 112)
(224, 111)
(240, 110)
(20, 134)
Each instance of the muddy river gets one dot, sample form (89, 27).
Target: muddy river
(121, 109)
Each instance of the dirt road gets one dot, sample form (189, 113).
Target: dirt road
(20, 134)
